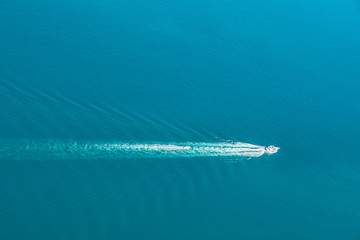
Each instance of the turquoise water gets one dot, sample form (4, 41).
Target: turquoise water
(78, 79)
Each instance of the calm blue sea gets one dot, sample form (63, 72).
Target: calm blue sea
(283, 73)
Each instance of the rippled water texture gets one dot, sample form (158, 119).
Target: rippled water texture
(149, 120)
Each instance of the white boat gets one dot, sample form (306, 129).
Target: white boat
(271, 149)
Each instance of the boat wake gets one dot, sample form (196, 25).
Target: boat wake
(31, 150)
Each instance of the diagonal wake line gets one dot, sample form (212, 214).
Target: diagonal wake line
(37, 150)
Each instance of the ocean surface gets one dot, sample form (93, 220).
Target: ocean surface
(132, 119)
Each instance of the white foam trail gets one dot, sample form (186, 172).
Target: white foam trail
(92, 150)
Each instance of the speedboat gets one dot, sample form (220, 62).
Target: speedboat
(271, 149)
